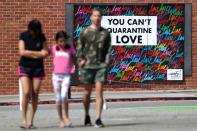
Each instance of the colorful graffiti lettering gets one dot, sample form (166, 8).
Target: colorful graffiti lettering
(142, 63)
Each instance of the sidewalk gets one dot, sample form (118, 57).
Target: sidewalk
(113, 96)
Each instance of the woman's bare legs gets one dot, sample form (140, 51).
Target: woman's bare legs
(26, 85)
(35, 91)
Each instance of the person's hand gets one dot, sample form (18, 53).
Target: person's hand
(81, 63)
(44, 53)
(72, 70)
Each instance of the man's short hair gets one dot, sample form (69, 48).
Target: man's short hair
(96, 9)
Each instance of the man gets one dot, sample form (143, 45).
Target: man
(93, 50)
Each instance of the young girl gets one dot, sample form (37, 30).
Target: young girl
(63, 54)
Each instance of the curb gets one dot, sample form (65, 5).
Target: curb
(42, 102)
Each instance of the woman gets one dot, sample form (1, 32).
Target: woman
(32, 49)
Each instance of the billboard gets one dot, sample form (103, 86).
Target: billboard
(148, 39)
(131, 30)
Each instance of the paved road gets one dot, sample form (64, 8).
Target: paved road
(127, 116)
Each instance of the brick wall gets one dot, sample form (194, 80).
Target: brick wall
(15, 15)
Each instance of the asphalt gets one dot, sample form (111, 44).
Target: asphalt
(112, 96)
(128, 116)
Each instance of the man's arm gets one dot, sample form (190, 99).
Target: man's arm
(80, 47)
(108, 48)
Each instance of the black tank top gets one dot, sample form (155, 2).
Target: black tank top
(33, 45)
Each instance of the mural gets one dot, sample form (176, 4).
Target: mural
(142, 63)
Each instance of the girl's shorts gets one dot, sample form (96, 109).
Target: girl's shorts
(33, 73)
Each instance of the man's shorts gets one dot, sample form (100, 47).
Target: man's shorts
(91, 76)
(33, 73)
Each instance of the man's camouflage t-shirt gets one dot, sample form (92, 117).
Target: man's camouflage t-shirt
(94, 46)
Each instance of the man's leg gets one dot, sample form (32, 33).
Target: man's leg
(86, 79)
(86, 103)
(99, 99)
(86, 98)
(99, 80)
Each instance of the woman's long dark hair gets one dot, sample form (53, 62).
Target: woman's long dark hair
(61, 34)
(35, 28)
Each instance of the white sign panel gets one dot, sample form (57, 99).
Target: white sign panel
(175, 74)
(131, 30)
